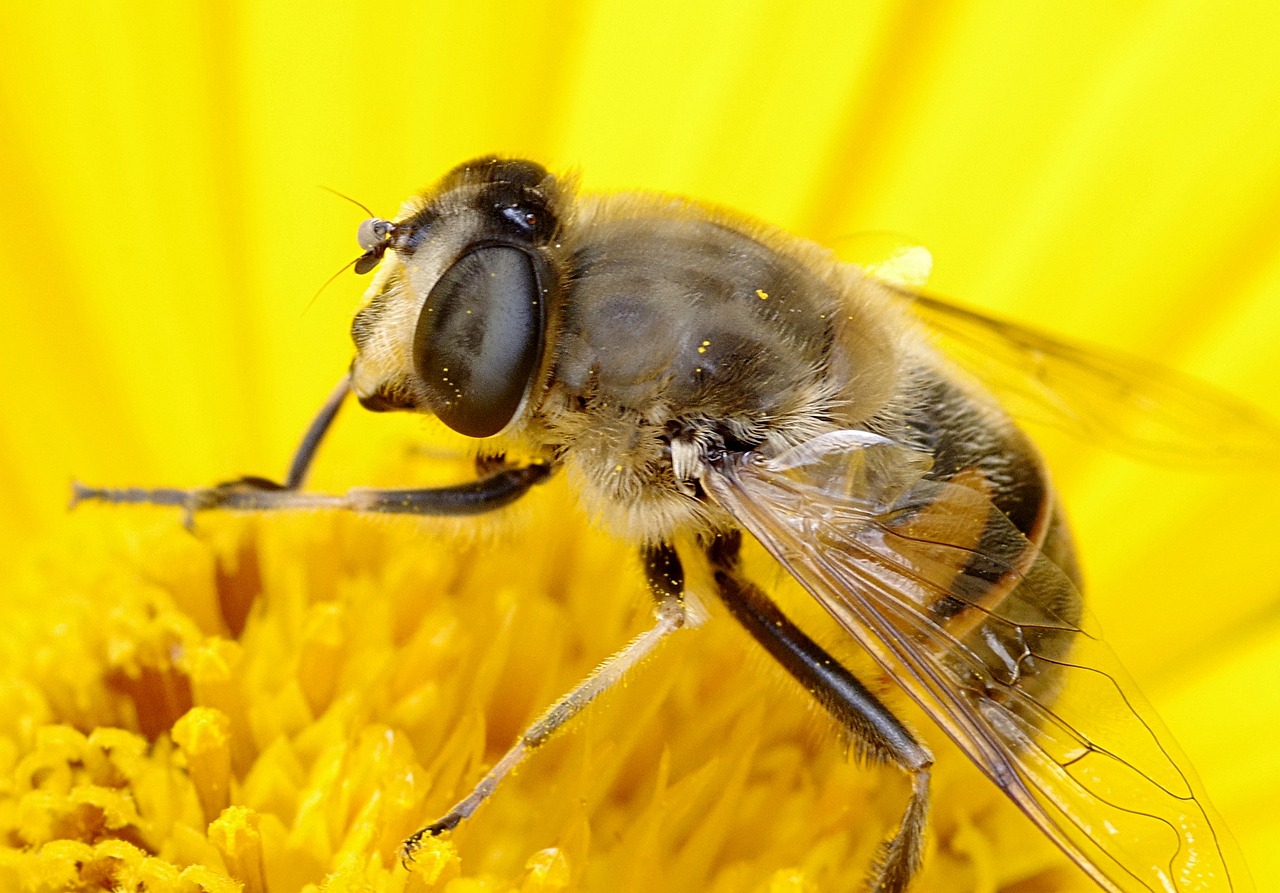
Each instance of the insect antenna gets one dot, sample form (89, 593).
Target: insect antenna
(347, 266)
(359, 204)
(362, 206)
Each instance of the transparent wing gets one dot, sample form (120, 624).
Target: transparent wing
(1085, 757)
(1130, 405)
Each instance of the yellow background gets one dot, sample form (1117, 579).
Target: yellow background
(1112, 174)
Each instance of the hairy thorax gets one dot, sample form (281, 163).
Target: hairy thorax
(689, 322)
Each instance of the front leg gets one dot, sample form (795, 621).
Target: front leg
(498, 485)
(319, 427)
(250, 494)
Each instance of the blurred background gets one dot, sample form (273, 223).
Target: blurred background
(1111, 175)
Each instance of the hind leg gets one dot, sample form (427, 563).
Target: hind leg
(877, 734)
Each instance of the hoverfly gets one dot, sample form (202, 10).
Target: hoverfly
(700, 376)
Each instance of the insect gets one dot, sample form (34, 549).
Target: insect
(701, 377)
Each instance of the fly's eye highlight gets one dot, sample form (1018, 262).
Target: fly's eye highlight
(524, 218)
(479, 337)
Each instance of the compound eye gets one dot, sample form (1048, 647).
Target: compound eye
(479, 338)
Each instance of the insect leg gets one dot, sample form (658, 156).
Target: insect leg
(666, 580)
(319, 426)
(498, 485)
(877, 734)
(258, 494)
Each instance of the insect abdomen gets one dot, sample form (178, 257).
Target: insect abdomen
(1014, 597)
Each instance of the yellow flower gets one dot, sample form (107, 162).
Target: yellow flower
(273, 703)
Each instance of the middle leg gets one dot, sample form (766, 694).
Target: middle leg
(666, 582)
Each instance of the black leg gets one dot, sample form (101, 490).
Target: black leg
(257, 495)
(876, 733)
(306, 452)
(499, 485)
(663, 571)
